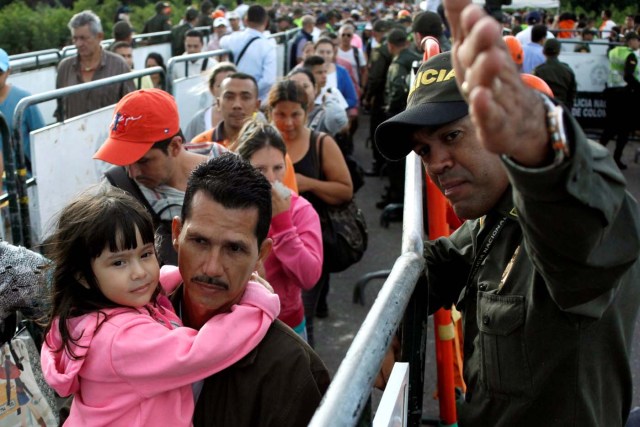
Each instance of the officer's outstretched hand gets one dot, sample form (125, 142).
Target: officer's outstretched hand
(509, 117)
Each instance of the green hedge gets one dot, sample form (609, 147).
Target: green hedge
(24, 29)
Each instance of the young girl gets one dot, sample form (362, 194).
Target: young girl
(295, 262)
(113, 339)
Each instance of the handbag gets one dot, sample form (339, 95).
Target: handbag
(25, 397)
(344, 230)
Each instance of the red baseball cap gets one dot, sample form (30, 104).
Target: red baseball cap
(141, 119)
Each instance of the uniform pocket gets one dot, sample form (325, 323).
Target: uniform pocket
(504, 366)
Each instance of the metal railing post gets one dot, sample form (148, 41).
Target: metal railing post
(350, 389)
(34, 59)
(184, 58)
(23, 104)
(11, 182)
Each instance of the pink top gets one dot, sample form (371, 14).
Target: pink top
(138, 366)
(295, 262)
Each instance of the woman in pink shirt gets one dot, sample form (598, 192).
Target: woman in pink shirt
(113, 340)
(295, 262)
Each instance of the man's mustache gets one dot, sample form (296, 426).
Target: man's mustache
(208, 280)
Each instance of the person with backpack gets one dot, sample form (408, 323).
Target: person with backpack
(252, 52)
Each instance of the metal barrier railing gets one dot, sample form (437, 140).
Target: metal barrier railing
(190, 57)
(288, 35)
(351, 387)
(71, 50)
(10, 182)
(15, 150)
(171, 64)
(138, 37)
(34, 59)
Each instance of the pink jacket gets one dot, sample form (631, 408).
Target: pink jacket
(138, 368)
(295, 262)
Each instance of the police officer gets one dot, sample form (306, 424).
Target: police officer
(395, 99)
(623, 87)
(545, 269)
(379, 62)
(558, 75)
(397, 84)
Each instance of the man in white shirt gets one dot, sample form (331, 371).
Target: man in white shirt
(533, 18)
(607, 24)
(253, 53)
(234, 21)
(193, 43)
(220, 28)
(349, 52)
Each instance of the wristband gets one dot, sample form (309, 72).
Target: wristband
(555, 126)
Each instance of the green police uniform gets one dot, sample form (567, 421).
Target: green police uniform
(623, 88)
(379, 63)
(560, 78)
(549, 311)
(397, 84)
(159, 22)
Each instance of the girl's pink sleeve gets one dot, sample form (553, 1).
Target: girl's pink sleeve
(154, 359)
(297, 243)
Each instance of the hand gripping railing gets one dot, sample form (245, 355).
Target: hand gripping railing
(351, 387)
(16, 148)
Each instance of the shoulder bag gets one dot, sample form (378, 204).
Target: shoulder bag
(344, 230)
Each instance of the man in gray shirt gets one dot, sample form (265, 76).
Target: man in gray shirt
(92, 63)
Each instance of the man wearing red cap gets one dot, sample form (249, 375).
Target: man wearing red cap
(145, 138)
(545, 269)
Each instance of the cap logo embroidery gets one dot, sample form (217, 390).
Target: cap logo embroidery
(120, 121)
(427, 77)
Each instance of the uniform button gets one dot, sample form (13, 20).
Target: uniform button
(483, 287)
(486, 319)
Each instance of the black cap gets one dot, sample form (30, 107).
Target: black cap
(397, 37)
(161, 5)
(381, 26)
(428, 24)
(191, 14)
(434, 100)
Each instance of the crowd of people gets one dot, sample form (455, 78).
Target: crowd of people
(209, 239)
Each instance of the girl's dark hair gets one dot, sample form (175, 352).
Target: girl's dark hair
(160, 61)
(255, 135)
(287, 90)
(306, 72)
(103, 217)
